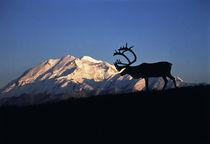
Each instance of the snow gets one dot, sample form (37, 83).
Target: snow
(90, 59)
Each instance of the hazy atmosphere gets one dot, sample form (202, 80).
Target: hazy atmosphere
(177, 31)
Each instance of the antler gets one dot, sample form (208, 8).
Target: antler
(121, 51)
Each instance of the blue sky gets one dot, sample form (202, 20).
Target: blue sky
(32, 31)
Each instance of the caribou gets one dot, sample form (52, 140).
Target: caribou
(144, 70)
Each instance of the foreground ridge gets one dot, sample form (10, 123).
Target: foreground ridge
(171, 116)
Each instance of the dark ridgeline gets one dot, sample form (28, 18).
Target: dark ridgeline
(144, 70)
(172, 116)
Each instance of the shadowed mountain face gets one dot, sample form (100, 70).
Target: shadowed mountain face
(79, 76)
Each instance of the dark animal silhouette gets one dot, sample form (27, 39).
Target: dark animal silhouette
(144, 70)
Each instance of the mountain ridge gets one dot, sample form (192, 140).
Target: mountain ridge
(71, 74)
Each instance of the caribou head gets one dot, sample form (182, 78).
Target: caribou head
(119, 65)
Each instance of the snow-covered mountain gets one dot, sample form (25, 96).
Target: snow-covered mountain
(80, 76)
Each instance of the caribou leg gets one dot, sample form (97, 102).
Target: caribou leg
(146, 83)
(165, 80)
(173, 79)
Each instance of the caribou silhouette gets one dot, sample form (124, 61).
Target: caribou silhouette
(144, 70)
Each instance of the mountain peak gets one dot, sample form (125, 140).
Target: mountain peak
(68, 57)
(88, 58)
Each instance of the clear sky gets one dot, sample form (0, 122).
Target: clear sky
(32, 31)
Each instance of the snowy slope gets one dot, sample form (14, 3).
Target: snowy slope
(76, 75)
